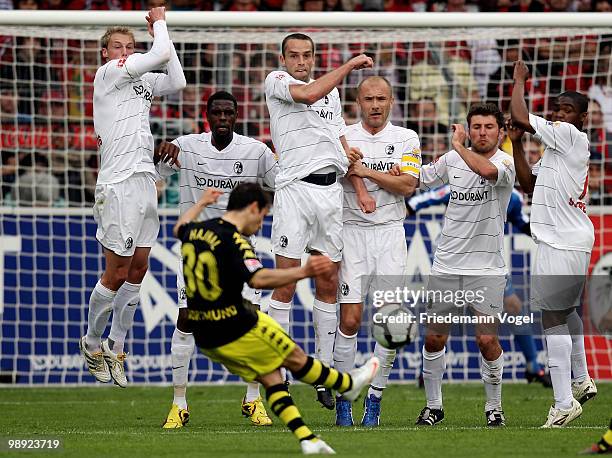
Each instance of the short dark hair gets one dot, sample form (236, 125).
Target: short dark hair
(221, 95)
(296, 36)
(486, 109)
(245, 194)
(580, 100)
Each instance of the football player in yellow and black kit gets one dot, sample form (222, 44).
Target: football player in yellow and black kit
(217, 261)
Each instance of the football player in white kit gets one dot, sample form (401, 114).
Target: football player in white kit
(308, 134)
(564, 235)
(125, 206)
(374, 243)
(219, 159)
(469, 261)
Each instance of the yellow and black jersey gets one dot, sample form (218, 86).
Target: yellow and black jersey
(217, 261)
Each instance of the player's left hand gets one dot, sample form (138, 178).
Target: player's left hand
(167, 152)
(395, 170)
(354, 155)
(459, 135)
(367, 203)
(521, 71)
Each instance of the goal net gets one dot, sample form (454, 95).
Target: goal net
(50, 260)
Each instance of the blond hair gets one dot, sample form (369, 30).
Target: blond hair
(112, 30)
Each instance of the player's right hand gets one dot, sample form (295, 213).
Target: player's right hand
(395, 170)
(361, 61)
(318, 265)
(167, 152)
(459, 135)
(210, 196)
(155, 14)
(521, 72)
(354, 154)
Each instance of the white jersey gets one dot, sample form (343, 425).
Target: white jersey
(123, 92)
(472, 238)
(558, 208)
(392, 145)
(306, 137)
(204, 166)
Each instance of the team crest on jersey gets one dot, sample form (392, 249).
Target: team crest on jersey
(238, 167)
(389, 149)
(283, 241)
(483, 180)
(128, 243)
(326, 100)
(344, 289)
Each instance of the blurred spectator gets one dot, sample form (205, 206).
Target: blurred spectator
(598, 193)
(313, 6)
(560, 6)
(242, 5)
(80, 74)
(433, 146)
(424, 118)
(486, 60)
(6, 4)
(9, 113)
(520, 6)
(602, 6)
(500, 85)
(601, 90)
(35, 187)
(26, 4)
(452, 6)
(533, 149)
(596, 130)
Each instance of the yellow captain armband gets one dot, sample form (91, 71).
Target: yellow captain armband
(411, 162)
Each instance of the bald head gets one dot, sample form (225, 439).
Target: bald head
(375, 98)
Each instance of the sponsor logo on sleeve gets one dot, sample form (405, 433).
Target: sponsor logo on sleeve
(252, 265)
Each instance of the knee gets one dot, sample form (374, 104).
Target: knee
(296, 360)
(349, 324)
(487, 344)
(327, 287)
(113, 279)
(513, 305)
(435, 342)
(284, 293)
(137, 273)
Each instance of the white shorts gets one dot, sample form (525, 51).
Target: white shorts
(126, 214)
(372, 259)
(248, 293)
(558, 277)
(450, 293)
(308, 217)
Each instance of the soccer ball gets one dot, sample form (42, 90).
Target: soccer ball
(394, 326)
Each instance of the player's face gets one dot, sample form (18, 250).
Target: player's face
(484, 133)
(298, 59)
(222, 118)
(119, 47)
(255, 219)
(569, 112)
(375, 101)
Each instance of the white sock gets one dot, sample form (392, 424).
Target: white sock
(386, 358)
(252, 392)
(124, 308)
(492, 373)
(281, 312)
(100, 306)
(325, 324)
(434, 366)
(559, 345)
(580, 370)
(181, 349)
(345, 348)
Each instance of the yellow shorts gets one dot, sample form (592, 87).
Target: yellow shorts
(260, 351)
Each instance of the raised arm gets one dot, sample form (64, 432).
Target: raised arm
(210, 196)
(311, 92)
(273, 278)
(172, 82)
(138, 64)
(525, 177)
(478, 163)
(518, 106)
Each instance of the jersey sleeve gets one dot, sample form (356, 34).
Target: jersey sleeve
(277, 86)
(268, 168)
(245, 261)
(173, 81)
(435, 174)
(182, 231)
(505, 171)
(557, 135)
(411, 158)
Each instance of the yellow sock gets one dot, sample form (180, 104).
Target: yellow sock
(315, 372)
(282, 405)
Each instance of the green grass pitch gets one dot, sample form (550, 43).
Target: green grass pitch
(114, 422)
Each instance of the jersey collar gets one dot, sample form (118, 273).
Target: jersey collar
(385, 129)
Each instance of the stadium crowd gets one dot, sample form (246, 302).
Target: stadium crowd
(46, 128)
